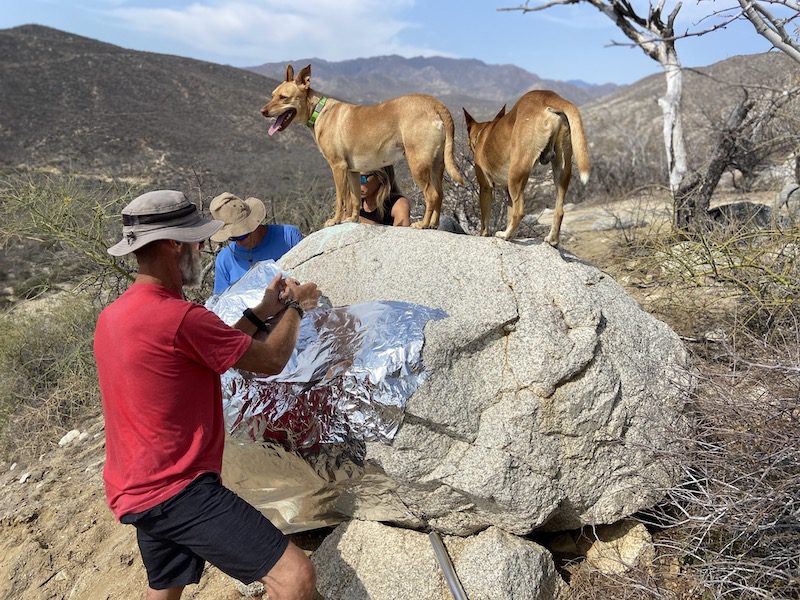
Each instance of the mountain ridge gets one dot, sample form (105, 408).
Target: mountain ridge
(450, 79)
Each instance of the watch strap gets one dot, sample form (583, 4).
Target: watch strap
(296, 305)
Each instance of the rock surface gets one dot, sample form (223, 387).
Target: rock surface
(551, 397)
(363, 560)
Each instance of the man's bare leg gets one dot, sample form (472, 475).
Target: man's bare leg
(292, 577)
(168, 594)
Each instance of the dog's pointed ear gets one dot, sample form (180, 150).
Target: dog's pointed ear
(500, 114)
(468, 117)
(289, 72)
(303, 79)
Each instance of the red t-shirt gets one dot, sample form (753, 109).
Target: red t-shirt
(159, 360)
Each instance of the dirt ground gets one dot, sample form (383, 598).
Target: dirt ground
(59, 541)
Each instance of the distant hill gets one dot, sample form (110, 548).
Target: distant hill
(72, 104)
(457, 82)
(75, 104)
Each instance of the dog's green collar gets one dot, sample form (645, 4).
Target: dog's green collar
(316, 111)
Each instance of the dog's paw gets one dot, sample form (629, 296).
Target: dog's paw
(551, 241)
(417, 225)
(330, 222)
(502, 235)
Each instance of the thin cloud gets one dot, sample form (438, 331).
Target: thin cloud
(249, 32)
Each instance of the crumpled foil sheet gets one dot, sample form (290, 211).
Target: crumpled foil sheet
(346, 383)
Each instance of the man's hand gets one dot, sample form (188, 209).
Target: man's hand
(307, 294)
(271, 304)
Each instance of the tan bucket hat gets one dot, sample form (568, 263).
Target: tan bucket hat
(161, 215)
(240, 216)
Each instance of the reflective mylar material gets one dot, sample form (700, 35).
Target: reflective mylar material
(346, 383)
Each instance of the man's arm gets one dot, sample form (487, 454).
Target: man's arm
(270, 351)
(295, 236)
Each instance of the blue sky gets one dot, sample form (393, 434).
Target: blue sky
(570, 42)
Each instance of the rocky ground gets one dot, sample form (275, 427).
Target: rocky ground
(59, 541)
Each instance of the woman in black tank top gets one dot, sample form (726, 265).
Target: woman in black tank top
(382, 202)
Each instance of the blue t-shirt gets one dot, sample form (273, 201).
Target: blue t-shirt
(233, 260)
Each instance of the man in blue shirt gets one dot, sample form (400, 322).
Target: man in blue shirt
(251, 240)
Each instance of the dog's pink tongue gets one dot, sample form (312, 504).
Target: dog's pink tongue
(278, 124)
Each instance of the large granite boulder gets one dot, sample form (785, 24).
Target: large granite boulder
(552, 398)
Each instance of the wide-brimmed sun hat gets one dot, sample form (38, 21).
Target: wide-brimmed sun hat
(161, 215)
(240, 216)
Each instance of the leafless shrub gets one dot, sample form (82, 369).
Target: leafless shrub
(731, 527)
(734, 522)
(307, 206)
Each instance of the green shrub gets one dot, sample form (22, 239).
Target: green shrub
(64, 221)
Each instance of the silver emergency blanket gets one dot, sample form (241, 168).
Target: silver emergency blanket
(346, 383)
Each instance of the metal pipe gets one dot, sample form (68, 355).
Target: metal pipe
(446, 565)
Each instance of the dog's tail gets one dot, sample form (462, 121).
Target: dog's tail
(449, 147)
(580, 150)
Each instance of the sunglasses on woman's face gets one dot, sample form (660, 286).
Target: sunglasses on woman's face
(366, 178)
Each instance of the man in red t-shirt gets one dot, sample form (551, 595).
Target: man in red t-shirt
(159, 360)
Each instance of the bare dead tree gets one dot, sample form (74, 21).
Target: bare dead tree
(772, 26)
(656, 36)
(696, 189)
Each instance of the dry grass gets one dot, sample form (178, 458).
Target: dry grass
(48, 380)
(731, 528)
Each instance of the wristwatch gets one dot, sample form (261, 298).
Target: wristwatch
(295, 305)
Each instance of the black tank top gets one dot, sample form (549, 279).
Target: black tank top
(388, 205)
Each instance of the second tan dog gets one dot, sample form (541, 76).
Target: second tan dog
(357, 139)
(541, 126)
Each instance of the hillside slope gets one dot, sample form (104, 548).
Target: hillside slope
(59, 540)
(631, 121)
(79, 105)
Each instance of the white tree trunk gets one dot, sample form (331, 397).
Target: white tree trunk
(670, 104)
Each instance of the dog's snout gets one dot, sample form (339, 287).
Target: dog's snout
(265, 110)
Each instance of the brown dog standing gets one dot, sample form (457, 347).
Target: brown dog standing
(356, 139)
(540, 126)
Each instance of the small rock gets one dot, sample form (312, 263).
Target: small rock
(24, 477)
(83, 436)
(255, 589)
(12, 467)
(69, 437)
(620, 547)
(716, 335)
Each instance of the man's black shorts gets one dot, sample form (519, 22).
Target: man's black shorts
(205, 522)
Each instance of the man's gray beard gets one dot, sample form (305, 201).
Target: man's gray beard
(190, 266)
